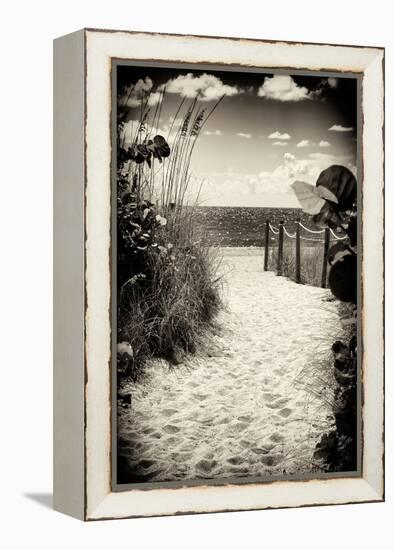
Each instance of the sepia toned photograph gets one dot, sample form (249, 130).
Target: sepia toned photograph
(235, 296)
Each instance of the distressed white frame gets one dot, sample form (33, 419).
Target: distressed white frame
(100, 47)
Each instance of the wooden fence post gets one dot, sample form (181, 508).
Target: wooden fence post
(266, 244)
(298, 252)
(280, 249)
(325, 257)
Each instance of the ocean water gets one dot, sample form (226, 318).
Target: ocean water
(244, 226)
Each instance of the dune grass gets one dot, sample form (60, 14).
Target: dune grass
(311, 263)
(170, 309)
(168, 285)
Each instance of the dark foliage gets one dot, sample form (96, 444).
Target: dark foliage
(338, 448)
(167, 289)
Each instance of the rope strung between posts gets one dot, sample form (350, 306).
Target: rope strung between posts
(310, 230)
(275, 231)
(291, 236)
(282, 246)
(336, 236)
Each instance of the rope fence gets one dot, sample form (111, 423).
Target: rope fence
(273, 229)
(327, 235)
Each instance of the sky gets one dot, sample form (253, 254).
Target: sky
(268, 130)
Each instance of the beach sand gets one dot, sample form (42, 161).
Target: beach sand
(237, 410)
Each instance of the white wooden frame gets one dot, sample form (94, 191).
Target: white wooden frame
(82, 423)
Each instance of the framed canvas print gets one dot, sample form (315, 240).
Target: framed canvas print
(219, 274)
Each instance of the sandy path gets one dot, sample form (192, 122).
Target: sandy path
(238, 411)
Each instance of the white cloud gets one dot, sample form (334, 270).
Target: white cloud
(141, 89)
(323, 143)
(302, 168)
(205, 87)
(278, 135)
(154, 98)
(213, 133)
(320, 156)
(267, 188)
(292, 168)
(247, 189)
(143, 85)
(339, 128)
(324, 160)
(283, 88)
(279, 144)
(245, 136)
(305, 143)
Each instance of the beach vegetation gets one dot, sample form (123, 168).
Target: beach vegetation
(167, 283)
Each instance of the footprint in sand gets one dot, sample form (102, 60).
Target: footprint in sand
(171, 429)
(235, 460)
(279, 403)
(191, 446)
(206, 466)
(200, 396)
(148, 431)
(168, 412)
(224, 420)
(285, 412)
(240, 426)
(140, 446)
(206, 421)
(276, 437)
(193, 416)
(239, 471)
(260, 450)
(245, 418)
(173, 441)
(270, 396)
(145, 464)
(182, 456)
(271, 460)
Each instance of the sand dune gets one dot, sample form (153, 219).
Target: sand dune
(236, 411)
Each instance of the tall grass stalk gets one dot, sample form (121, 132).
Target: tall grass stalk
(311, 263)
(168, 182)
(169, 301)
